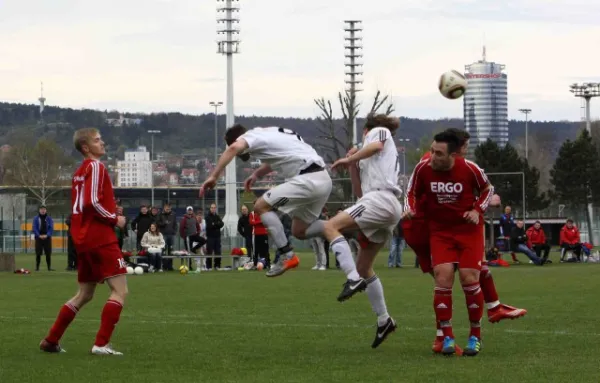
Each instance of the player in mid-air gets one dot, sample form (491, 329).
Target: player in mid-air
(456, 193)
(100, 259)
(374, 173)
(416, 234)
(302, 196)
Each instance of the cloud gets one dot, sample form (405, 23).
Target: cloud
(161, 55)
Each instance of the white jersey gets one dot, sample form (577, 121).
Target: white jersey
(283, 149)
(381, 171)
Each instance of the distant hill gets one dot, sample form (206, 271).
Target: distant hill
(182, 132)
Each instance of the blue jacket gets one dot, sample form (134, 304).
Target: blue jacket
(507, 222)
(37, 226)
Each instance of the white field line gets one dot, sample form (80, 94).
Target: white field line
(298, 325)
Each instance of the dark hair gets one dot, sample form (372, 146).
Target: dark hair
(537, 222)
(569, 220)
(383, 121)
(450, 139)
(233, 133)
(462, 135)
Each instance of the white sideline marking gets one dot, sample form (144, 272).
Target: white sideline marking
(301, 325)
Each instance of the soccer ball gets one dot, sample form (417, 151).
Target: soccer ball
(183, 269)
(260, 266)
(129, 270)
(452, 85)
(138, 270)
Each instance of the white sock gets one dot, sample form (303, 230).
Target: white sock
(277, 233)
(315, 229)
(341, 249)
(375, 294)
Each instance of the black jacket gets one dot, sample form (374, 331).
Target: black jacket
(518, 236)
(214, 223)
(244, 228)
(167, 223)
(142, 223)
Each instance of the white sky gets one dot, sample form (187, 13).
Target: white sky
(160, 55)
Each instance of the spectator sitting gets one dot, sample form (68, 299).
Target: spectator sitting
(570, 240)
(154, 243)
(536, 240)
(518, 239)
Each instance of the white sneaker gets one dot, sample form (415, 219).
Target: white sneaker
(315, 267)
(321, 268)
(106, 350)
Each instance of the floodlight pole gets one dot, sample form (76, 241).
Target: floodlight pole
(587, 91)
(526, 111)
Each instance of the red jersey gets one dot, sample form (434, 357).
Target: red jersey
(257, 225)
(94, 219)
(449, 194)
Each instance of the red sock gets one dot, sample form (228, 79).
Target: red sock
(514, 257)
(486, 281)
(474, 298)
(110, 318)
(442, 305)
(65, 317)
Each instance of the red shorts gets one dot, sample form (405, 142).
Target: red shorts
(96, 265)
(464, 249)
(416, 235)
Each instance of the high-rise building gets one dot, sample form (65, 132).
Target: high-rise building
(136, 170)
(486, 103)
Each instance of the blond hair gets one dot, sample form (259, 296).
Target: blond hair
(83, 137)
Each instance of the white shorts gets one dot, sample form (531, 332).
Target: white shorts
(302, 196)
(377, 213)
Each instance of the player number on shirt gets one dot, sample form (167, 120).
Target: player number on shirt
(78, 205)
(289, 131)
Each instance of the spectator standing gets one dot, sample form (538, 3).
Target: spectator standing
(518, 239)
(214, 224)
(141, 224)
(245, 229)
(261, 240)
(537, 241)
(154, 243)
(154, 213)
(43, 228)
(121, 233)
(189, 230)
(167, 225)
(570, 240)
(507, 222)
(396, 247)
(71, 253)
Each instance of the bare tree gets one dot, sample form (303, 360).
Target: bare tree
(41, 168)
(334, 137)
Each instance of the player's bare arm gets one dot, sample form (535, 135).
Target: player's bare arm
(230, 153)
(259, 173)
(365, 152)
(355, 180)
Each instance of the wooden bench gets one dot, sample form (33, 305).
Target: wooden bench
(234, 259)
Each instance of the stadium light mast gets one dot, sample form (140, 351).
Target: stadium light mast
(228, 42)
(353, 72)
(587, 91)
(526, 112)
(216, 105)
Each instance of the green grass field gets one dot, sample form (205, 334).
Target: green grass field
(235, 326)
